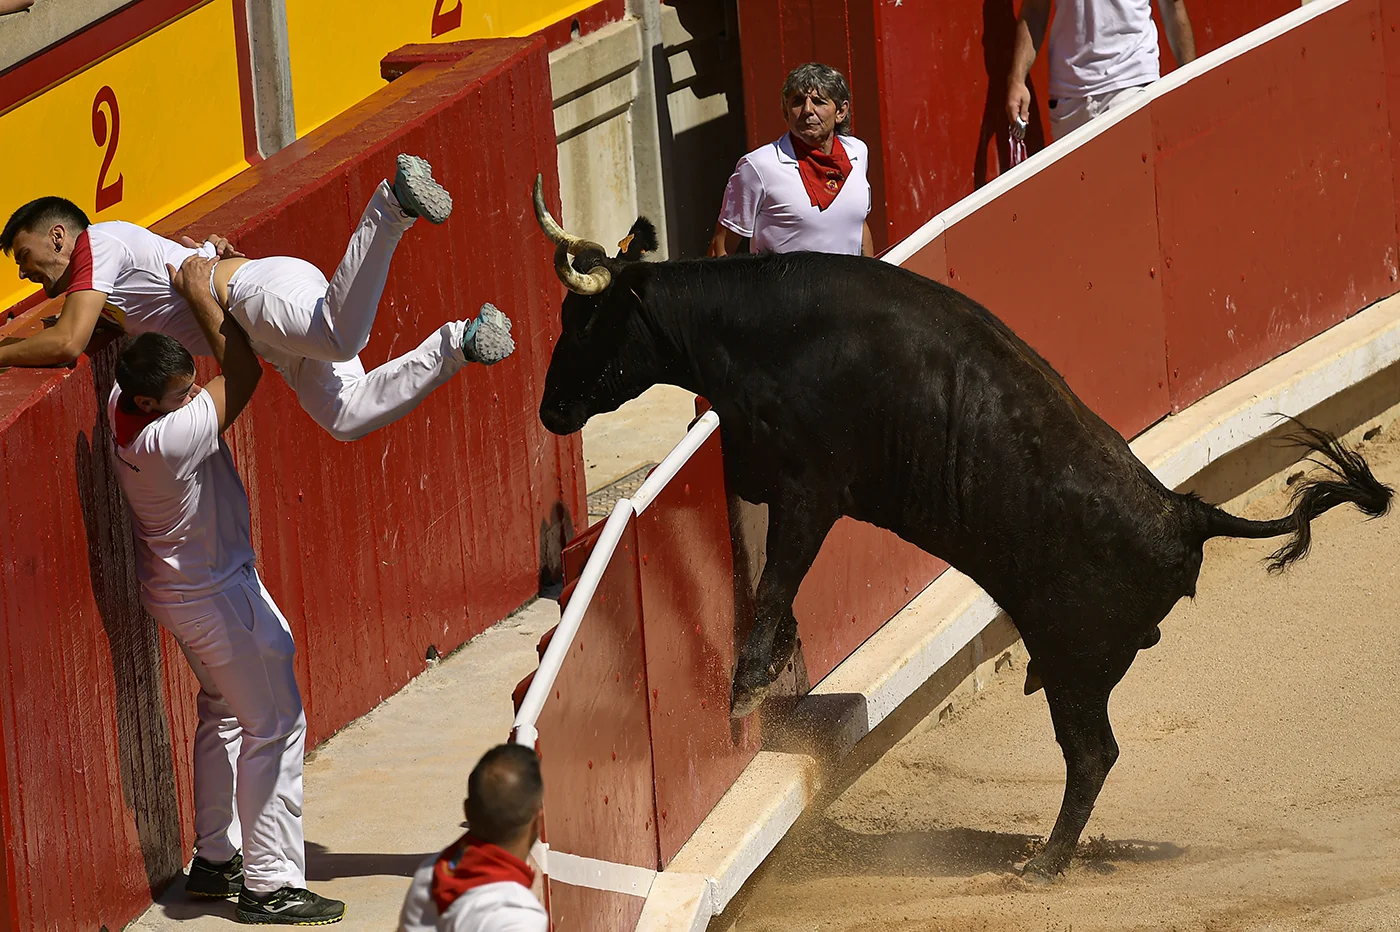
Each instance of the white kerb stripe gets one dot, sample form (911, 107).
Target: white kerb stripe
(578, 871)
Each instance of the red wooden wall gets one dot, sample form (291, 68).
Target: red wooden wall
(928, 82)
(1152, 266)
(1306, 236)
(424, 533)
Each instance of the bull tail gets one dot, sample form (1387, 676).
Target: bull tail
(1345, 478)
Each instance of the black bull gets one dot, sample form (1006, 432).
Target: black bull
(847, 386)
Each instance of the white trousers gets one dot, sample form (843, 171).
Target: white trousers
(250, 741)
(1067, 114)
(312, 331)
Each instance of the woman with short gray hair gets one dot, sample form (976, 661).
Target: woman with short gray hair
(808, 190)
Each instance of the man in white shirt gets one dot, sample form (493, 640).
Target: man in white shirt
(808, 190)
(1100, 52)
(311, 330)
(481, 882)
(195, 567)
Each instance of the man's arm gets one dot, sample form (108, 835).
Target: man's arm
(240, 367)
(1030, 32)
(725, 242)
(64, 341)
(867, 242)
(223, 249)
(1177, 25)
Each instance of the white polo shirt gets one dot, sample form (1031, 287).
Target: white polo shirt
(766, 201)
(127, 263)
(188, 506)
(1099, 46)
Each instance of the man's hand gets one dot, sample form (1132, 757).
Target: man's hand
(1018, 104)
(223, 249)
(192, 278)
(1030, 33)
(725, 242)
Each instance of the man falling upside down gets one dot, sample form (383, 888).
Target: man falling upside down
(311, 330)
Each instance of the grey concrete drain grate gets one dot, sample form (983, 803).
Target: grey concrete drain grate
(601, 501)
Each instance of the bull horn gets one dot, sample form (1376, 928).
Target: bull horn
(549, 225)
(596, 280)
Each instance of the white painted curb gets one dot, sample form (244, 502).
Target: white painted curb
(899, 658)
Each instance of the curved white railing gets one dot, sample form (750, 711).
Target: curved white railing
(533, 703)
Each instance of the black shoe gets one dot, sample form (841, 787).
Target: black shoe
(219, 881)
(289, 906)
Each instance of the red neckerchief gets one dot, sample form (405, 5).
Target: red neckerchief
(822, 175)
(470, 862)
(127, 426)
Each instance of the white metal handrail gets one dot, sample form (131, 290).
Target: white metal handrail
(533, 703)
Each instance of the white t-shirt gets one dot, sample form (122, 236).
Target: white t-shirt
(127, 263)
(493, 907)
(188, 506)
(1098, 46)
(766, 201)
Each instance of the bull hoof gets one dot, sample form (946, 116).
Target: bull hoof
(744, 701)
(1041, 872)
(751, 685)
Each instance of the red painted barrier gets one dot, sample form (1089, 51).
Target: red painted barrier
(862, 576)
(596, 744)
(928, 82)
(375, 550)
(687, 586)
(1256, 261)
(1217, 22)
(1068, 258)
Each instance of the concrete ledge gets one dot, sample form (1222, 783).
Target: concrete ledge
(748, 823)
(677, 902)
(953, 614)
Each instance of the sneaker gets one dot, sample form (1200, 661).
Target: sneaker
(488, 338)
(289, 906)
(418, 193)
(219, 881)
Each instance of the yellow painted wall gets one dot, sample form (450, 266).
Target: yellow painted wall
(179, 130)
(336, 45)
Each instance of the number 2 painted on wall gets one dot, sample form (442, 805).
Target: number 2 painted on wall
(108, 193)
(446, 20)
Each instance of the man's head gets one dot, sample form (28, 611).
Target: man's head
(40, 235)
(505, 794)
(816, 103)
(156, 374)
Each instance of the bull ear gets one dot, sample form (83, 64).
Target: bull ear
(639, 240)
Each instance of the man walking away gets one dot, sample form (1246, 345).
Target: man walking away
(1101, 51)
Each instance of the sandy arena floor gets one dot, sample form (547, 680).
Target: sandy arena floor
(1258, 786)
